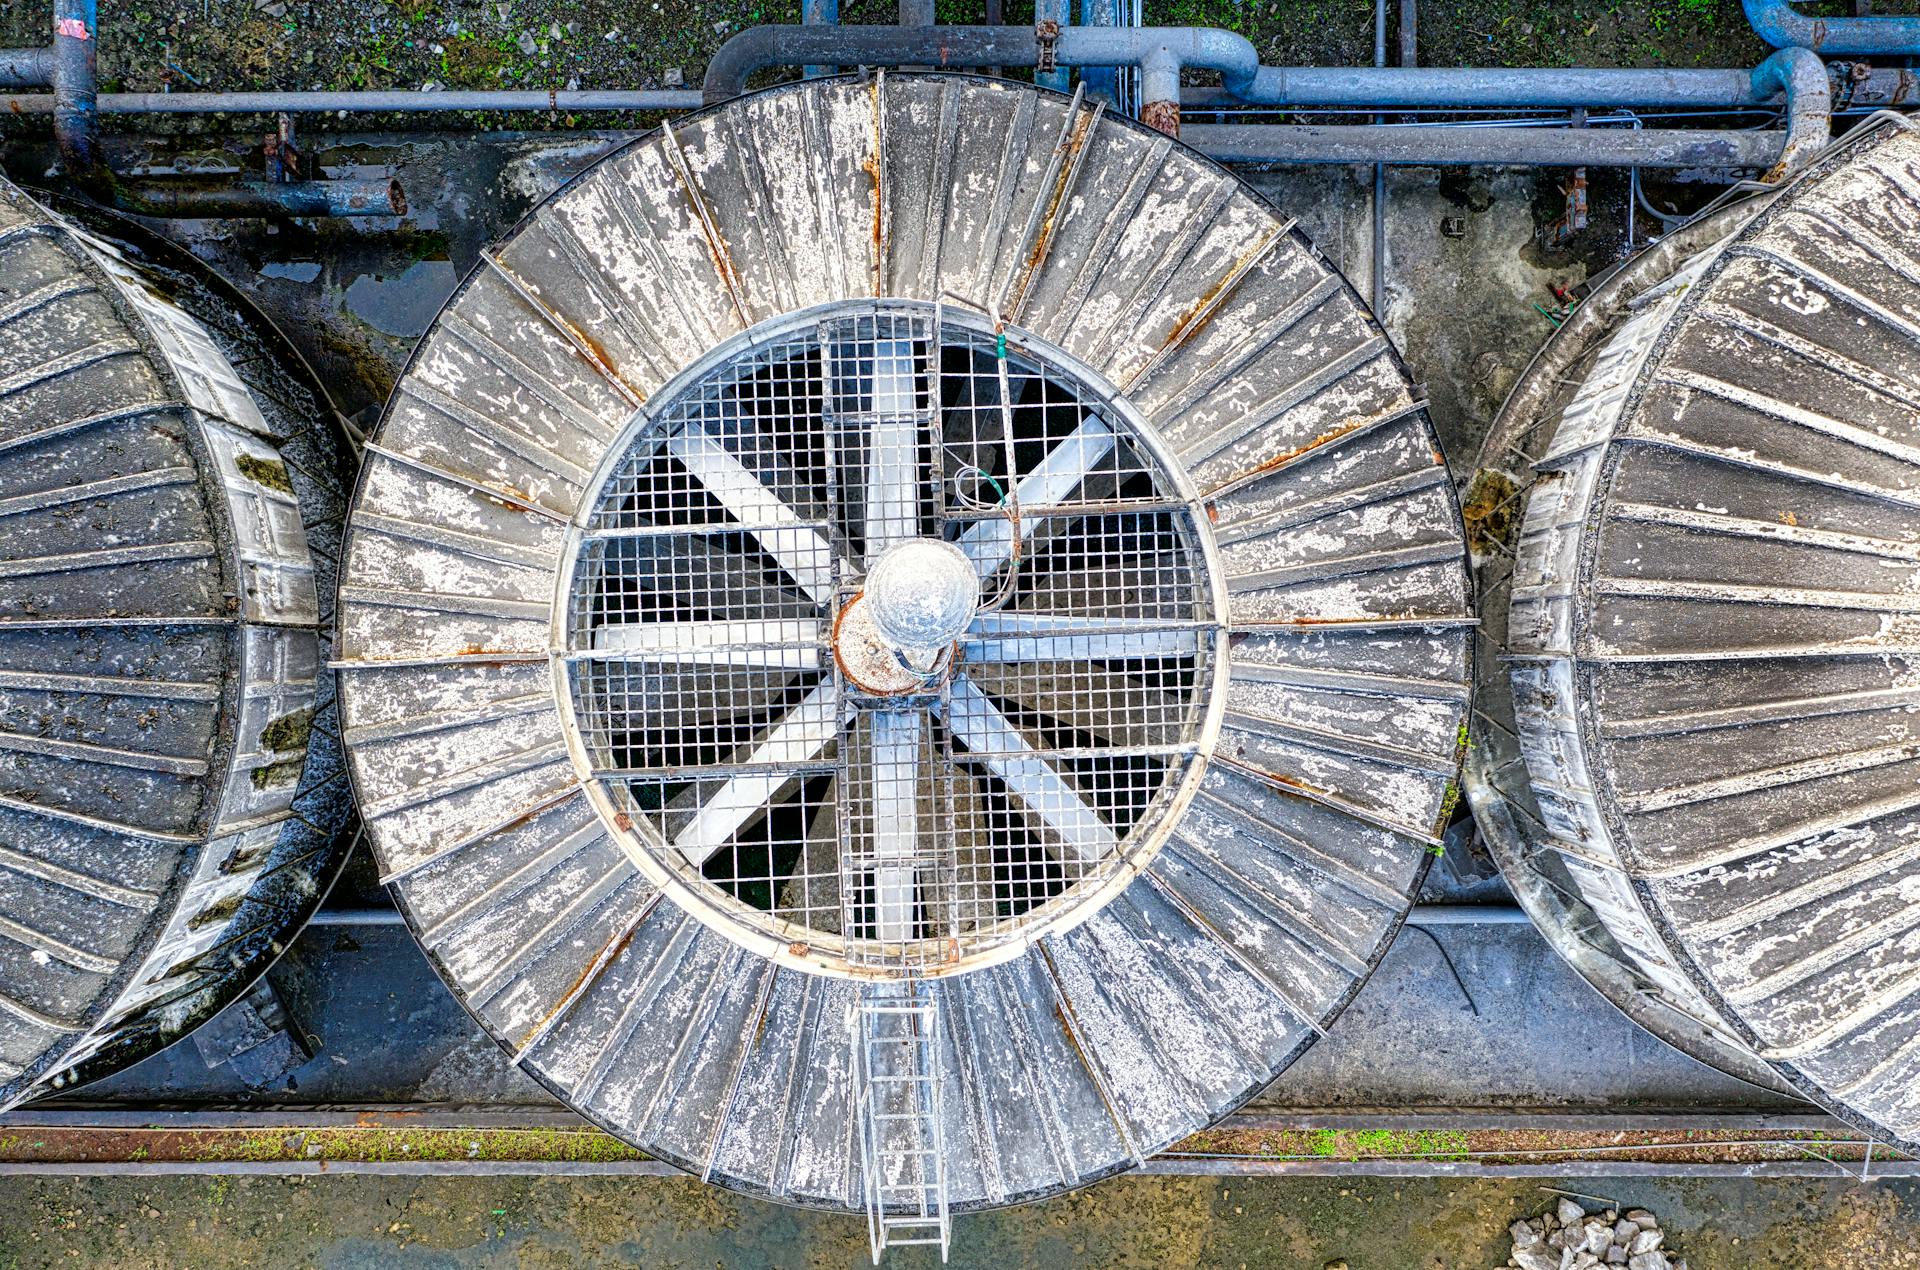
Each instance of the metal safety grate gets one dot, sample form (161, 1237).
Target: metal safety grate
(886, 815)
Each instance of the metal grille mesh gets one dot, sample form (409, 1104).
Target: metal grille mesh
(906, 828)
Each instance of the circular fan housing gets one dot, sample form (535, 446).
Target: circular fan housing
(1704, 778)
(915, 551)
(807, 641)
(170, 801)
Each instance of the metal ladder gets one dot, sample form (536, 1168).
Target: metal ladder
(896, 1029)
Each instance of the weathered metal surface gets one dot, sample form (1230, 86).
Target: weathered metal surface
(1708, 637)
(168, 783)
(1260, 376)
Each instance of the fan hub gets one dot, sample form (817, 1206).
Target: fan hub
(899, 634)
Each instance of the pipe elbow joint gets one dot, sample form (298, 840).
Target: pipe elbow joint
(1802, 77)
(1781, 25)
(1776, 22)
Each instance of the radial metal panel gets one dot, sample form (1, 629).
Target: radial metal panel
(1702, 768)
(1136, 836)
(168, 763)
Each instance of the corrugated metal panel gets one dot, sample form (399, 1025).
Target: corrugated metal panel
(161, 652)
(1225, 348)
(1710, 613)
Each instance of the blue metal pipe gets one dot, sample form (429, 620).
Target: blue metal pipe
(1803, 78)
(1886, 35)
(26, 68)
(1060, 13)
(76, 119)
(820, 13)
(1101, 81)
(76, 132)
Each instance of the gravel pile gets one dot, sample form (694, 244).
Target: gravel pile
(1571, 1238)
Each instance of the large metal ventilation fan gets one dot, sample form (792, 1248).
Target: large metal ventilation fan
(905, 643)
(170, 796)
(1702, 770)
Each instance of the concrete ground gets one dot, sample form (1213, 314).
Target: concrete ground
(349, 1222)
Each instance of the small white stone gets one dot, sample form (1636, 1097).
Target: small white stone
(1571, 1214)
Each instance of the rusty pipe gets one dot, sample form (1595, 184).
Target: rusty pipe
(195, 198)
(76, 131)
(26, 68)
(1803, 78)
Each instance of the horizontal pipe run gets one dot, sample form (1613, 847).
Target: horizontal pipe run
(941, 47)
(1467, 145)
(1161, 50)
(1303, 87)
(197, 198)
(1468, 87)
(26, 68)
(1883, 35)
(371, 102)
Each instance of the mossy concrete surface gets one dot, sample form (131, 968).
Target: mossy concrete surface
(386, 1143)
(343, 1222)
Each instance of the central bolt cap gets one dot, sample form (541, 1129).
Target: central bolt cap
(922, 595)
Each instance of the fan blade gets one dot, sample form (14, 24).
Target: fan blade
(896, 781)
(795, 739)
(786, 645)
(991, 737)
(893, 449)
(801, 549)
(1027, 637)
(989, 543)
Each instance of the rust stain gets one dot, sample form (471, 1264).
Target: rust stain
(1285, 457)
(1340, 621)
(1070, 1032)
(586, 344)
(622, 821)
(873, 166)
(717, 249)
(1202, 311)
(1162, 116)
(595, 967)
(1043, 241)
